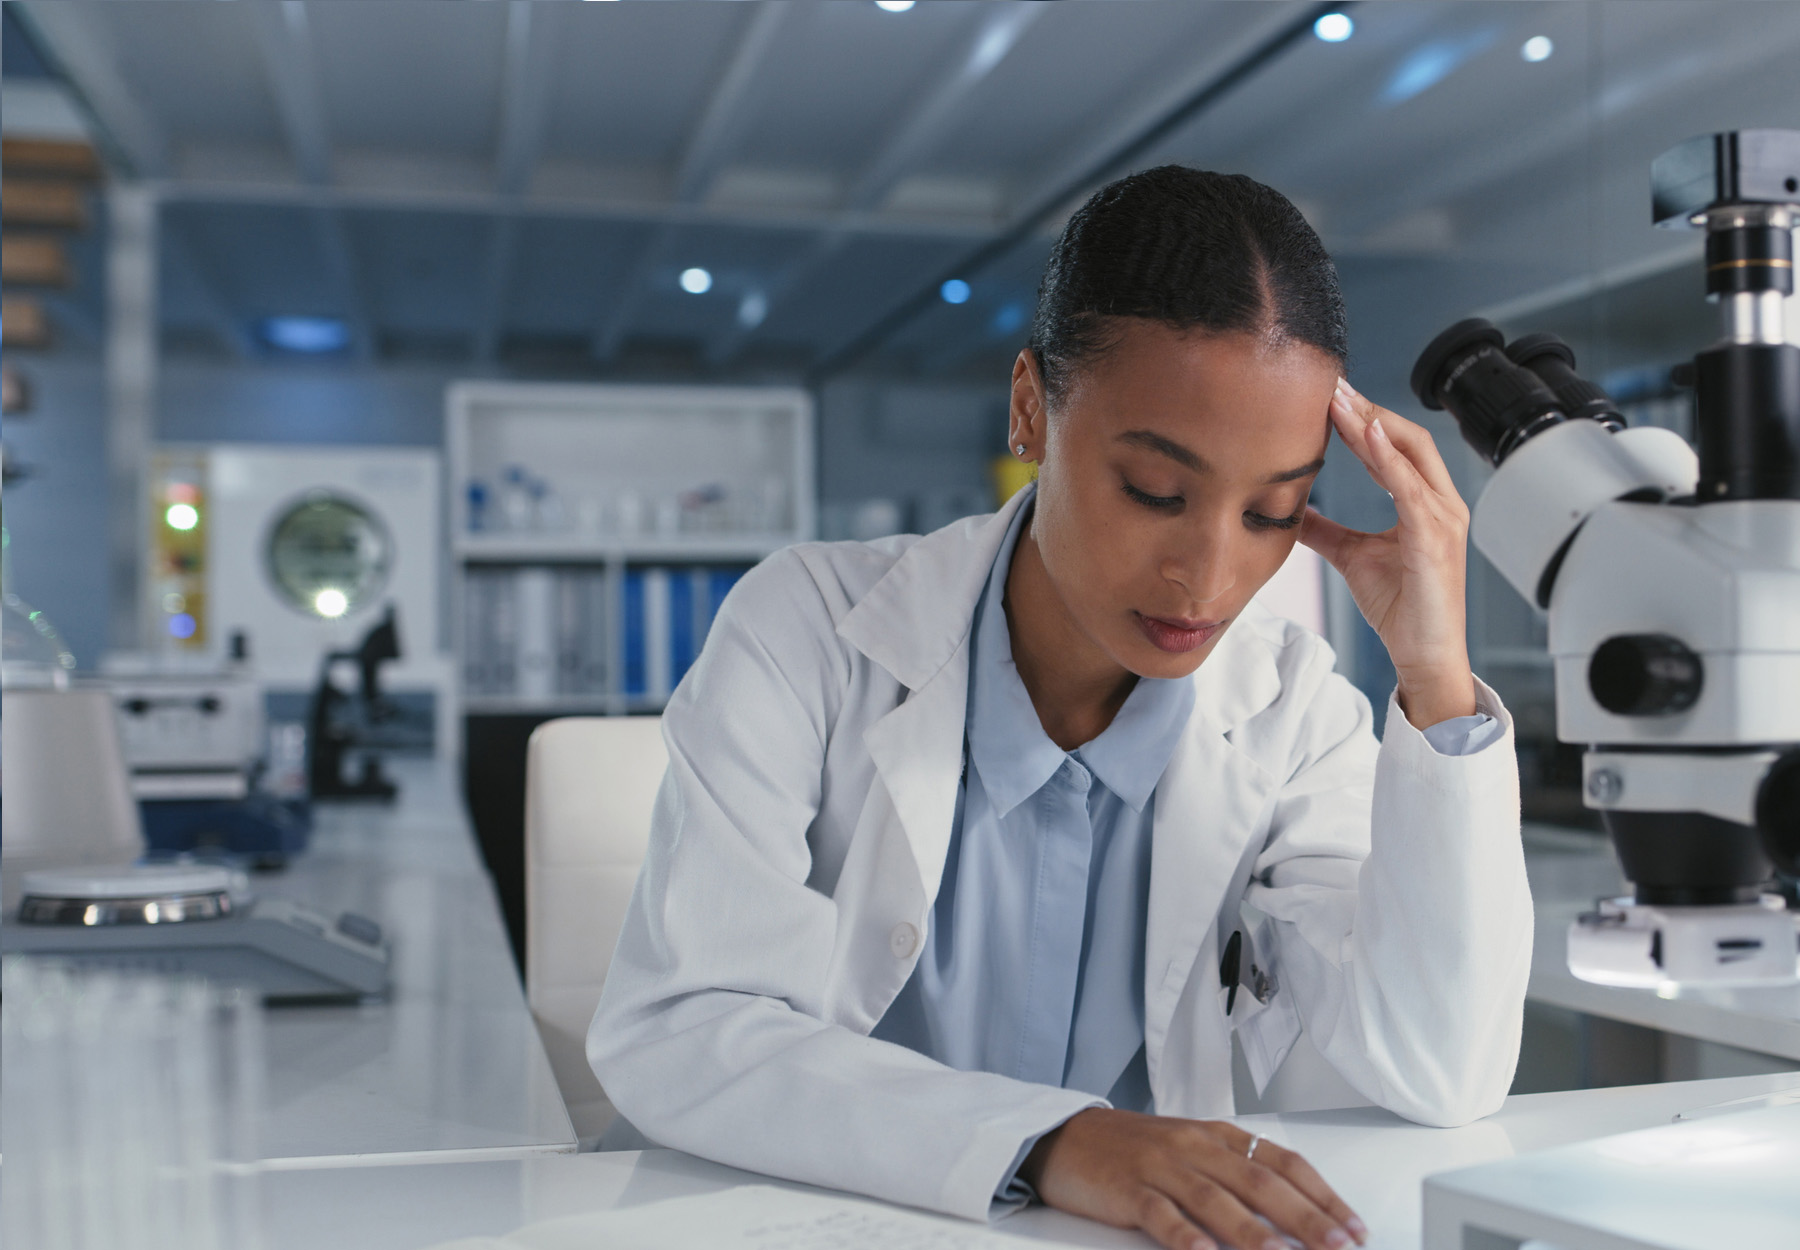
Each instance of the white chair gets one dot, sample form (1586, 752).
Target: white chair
(590, 783)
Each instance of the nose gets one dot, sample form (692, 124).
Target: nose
(1203, 565)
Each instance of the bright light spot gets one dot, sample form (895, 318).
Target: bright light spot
(182, 516)
(331, 602)
(696, 281)
(305, 334)
(181, 625)
(173, 602)
(893, 6)
(1334, 27)
(955, 291)
(1431, 64)
(1010, 319)
(1537, 48)
(752, 309)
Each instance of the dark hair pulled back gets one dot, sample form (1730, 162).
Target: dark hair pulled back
(1190, 249)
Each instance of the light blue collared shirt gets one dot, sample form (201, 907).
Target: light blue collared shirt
(1033, 966)
(1034, 963)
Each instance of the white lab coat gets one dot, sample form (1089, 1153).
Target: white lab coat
(799, 838)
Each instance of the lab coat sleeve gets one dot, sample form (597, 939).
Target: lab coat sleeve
(1394, 882)
(709, 1035)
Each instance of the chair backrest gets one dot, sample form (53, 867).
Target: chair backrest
(590, 784)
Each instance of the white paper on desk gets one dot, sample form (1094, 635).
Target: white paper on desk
(751, 1217)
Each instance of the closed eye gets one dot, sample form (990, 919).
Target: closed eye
(1163, 502)
(1258, 521)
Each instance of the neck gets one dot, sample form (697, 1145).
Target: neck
(1075, 687)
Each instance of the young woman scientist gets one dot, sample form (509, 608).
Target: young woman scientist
(960, 833)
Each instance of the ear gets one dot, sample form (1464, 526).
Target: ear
(1028, 418)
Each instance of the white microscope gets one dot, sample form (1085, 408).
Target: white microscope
(1672, 583)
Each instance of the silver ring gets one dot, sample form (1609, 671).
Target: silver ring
(1256, 1139)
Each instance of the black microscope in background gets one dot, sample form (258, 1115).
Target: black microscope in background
(338, 719)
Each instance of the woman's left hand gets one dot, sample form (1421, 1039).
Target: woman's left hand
(1408, 580)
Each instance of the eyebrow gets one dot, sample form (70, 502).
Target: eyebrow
(1151, 441)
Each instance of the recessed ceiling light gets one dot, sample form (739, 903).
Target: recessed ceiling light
(1334, 27)
(696, 281)
(305, 334)
(1537, 48)
(955, 291)
(893, 6)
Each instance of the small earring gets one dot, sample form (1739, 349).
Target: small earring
(1020, 451)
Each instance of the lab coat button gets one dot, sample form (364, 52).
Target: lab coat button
(904, 940)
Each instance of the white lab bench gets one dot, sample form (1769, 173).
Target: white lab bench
(449, 1065)
(1375, 1160)
(1568, 871)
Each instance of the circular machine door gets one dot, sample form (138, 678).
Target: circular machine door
(328, 555)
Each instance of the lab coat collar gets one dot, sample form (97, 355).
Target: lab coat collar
(914, 619)
(1239, 679)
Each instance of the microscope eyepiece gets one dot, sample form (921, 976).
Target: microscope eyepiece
(1554, 362)
(1497, 403)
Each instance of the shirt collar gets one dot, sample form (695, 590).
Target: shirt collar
(1007, 743)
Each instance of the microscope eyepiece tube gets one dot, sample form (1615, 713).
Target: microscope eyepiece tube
(1554, 361)
(1497, 403)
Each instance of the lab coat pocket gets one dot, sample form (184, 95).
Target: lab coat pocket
(1263, 1012)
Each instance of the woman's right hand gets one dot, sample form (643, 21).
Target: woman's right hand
(1187, 1183)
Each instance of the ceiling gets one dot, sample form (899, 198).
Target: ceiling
(515, 187)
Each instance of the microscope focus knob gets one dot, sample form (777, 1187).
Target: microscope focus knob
(1778, 813)
(1645, 675)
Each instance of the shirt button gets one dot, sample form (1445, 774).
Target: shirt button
(903, 941)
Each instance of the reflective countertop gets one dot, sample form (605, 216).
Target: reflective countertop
(1376, 1160)
(450, 1063)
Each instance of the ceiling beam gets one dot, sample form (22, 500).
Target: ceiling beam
(497, 282)
(704, 153)
(1078, 181)
(930, 121)
(76, 37)
(915, 136)
(701, 158)
(1097, 148)
(525, 93)
(873, 224)
(284, 36)
(179, 253)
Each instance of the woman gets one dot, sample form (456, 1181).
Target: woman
(975, 848)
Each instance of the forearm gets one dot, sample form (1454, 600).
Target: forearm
(1412, 984)
(749, 1082)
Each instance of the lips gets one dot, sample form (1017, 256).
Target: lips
(1177, 636)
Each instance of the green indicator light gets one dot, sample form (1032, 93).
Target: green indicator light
(182, 516)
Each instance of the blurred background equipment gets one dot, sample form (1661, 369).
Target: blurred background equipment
(340, 723)
(197, 920)
(68, 799)
(1672, 583)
